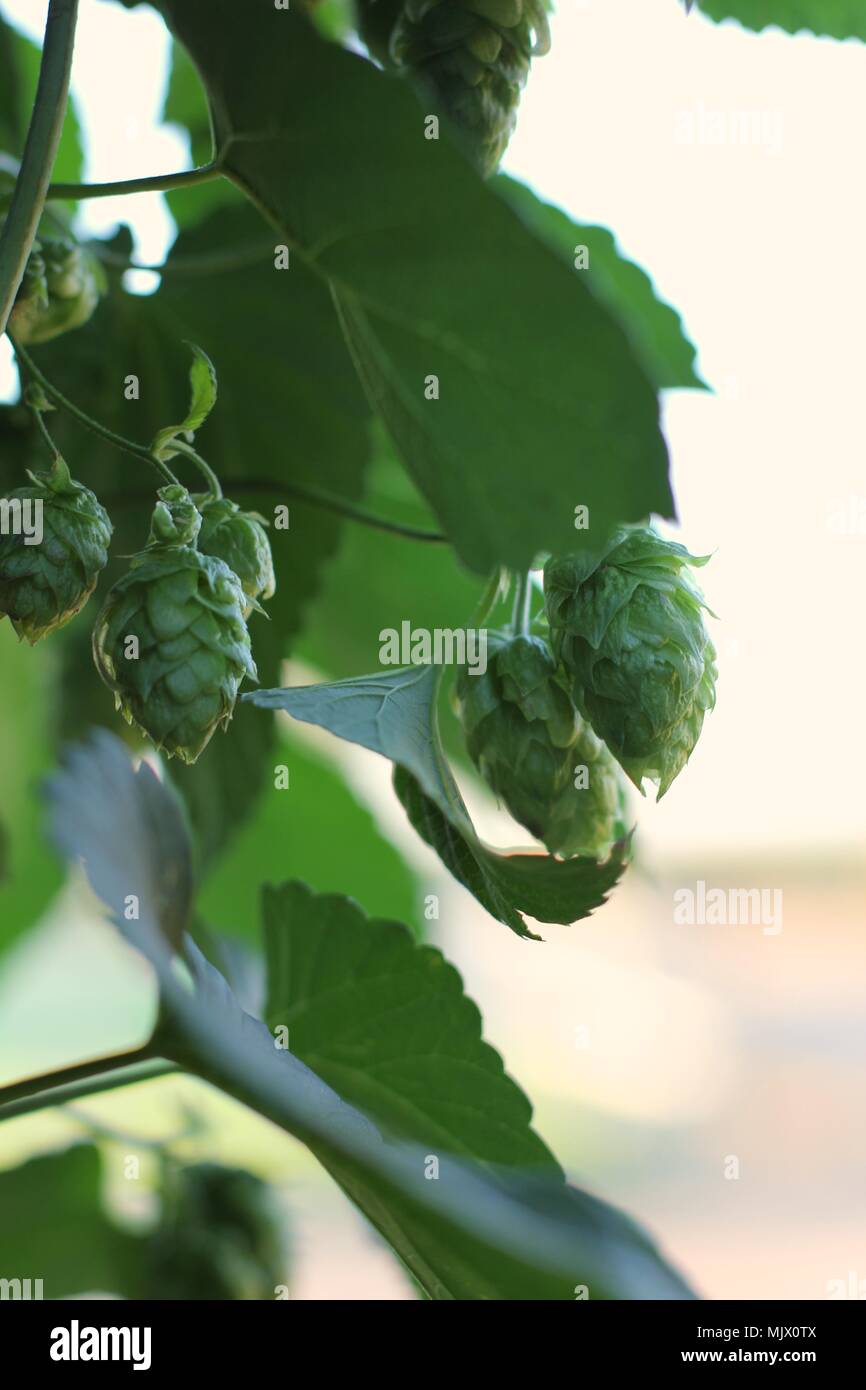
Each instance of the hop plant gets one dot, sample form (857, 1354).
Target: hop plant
(60, 290)
(628, 628)
(241, 541)
(43, 585)
(475, 57)
(171, 640)
(219, 1237)
(524, 735)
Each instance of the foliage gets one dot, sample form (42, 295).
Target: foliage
(213, 1236)
(839, 19)
(411, 386)
(463, 1230)
(388, 202)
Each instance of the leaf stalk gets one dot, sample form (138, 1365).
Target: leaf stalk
(82, 1079)
(152, 183)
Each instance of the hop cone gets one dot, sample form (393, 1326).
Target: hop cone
(628, 627)
(524, 736)
(241, 541)
(42, 586)
(60, 290)
(178, 682)
(219, 1237)
(474, 55)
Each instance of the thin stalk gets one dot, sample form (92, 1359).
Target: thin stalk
(329, 503)
(205, 469)
(45, 432)
(127, 446)
(82, 1079)
(152, 183)
(40, 149)
(315, 496)
(209, 263)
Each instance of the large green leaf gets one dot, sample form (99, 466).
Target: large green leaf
(99, 796)
(53, 1228)
(654, 328)
(391, 713)
(542, 402)
(394, 713)
(314, 828)
(839, 19)
(386, 1023)
(471, 1230)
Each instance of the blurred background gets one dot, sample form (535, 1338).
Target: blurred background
(709, 1079)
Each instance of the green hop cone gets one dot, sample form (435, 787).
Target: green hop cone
(527, 741)
(60, 290)
(473, 55)
(44, 584)
(219, 1238)
(241, 541)
(628, 628)
(171, 640)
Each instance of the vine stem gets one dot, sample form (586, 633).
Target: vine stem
(522, 600)
(82, 1079)
(315, 496)
(44, 432)
(152, 183)
(205, 469)
(128, 446)
(40, 149)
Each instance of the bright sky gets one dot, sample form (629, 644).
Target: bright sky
(758, 242)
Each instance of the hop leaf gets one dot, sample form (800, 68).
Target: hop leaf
(60, 290)
(474, 55)
(171, 640)
(527, 741)
(43, 585)
(241, 541)
(219, 1237)
(628, 627)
